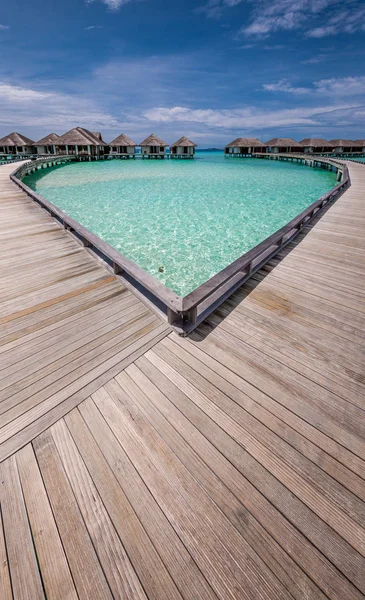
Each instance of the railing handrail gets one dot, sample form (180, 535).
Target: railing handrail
(183, 311)
(203, 291)
(90, 240)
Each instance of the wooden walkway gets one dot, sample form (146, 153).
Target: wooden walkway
(140, 465)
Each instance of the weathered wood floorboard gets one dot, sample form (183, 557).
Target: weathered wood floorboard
(64, 320)
(139, 465)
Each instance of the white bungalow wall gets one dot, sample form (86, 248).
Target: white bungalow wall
(148, 150)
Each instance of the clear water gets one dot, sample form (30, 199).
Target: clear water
(190, 218)
(360, 159)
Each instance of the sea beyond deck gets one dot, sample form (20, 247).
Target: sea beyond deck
(135, 464)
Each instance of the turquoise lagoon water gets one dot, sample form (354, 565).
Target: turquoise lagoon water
(190, 217)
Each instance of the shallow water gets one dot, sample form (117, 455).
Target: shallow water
(191, 218)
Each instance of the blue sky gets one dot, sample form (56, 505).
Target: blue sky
(209, 69)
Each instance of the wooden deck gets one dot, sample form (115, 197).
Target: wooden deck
(140, 465)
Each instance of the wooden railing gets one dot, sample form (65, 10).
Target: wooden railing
(13, 160)
(42, 163)
(184, 314)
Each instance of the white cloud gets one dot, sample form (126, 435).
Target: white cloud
(344, 86)
(18, 94)
(248, 118)
(334, 87)
(25, 106)
(346, 21)
(284, 86)
(3, 27)
(111, 4)
(214, 8)
(90, 27)
(275, 15)
(315, 60)
(269, 16)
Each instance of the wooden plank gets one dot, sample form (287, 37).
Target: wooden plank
(63, 339)
(38, 365)
(331, 363)
(212, 471)
(228, 459)
(71, 376)
(202, 528)
(80, 290)
(318, 532)
(60, 404)
(309, 401)
(86, 571)
(283, 423)
(186, 575)
(54, 316)
(151, 571)
(114, 560)
(256, 436)
(52, 561)
(5, 584)
(238, 453)
(23, 567)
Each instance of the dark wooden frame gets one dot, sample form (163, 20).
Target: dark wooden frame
(184, 314)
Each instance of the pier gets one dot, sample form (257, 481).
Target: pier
(138, 464)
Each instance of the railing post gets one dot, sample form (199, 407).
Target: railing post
(117, 269)
(192, 314)
(172, 316)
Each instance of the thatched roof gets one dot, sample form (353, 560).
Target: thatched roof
(97, 134)
(183, 141)
(315, 142)
(16, 139)
(6, 141)
(79, 137)
(245, 142)
(123, 140)
(48, 140)
(284, 142)
(343, 143)
(362, 142)
(153, 140)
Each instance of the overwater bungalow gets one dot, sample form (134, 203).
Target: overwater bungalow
(316, 146)
(46, 145)
(183, 148)
(345, 146)
(83, 143)
(244, 147)
(361, 145)
(123, 147)
(153, 147)
(16, 144)
(283, 145)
